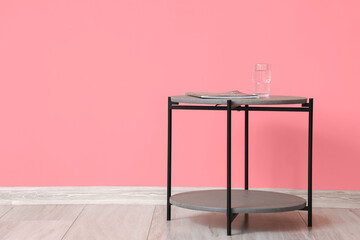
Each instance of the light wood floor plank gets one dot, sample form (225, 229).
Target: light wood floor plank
(187, 225)
(270, 226)
(43, 212)
(38, 222)
(140, 222)
(112, 222)
(356, 211)
(190, 224)
(4, 209)
(334, 224)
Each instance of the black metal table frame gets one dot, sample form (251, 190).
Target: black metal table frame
(305, 107)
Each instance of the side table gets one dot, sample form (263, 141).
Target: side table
(233, 202)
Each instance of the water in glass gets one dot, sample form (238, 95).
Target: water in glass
(262, 79)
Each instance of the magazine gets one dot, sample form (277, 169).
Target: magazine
(231, 94)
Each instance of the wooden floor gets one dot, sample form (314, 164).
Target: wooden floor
(103, 222)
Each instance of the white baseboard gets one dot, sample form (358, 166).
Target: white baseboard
(147, 195)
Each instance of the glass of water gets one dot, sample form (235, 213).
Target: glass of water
(261, 79)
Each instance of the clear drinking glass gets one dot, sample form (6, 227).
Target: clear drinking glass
(262, 79)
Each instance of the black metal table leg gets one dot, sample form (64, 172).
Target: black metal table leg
(169, 159)
(310, 162)
(246, 148)
(228, 210)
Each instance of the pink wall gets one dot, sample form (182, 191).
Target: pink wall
(84, 86)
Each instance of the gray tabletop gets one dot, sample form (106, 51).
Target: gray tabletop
(242, 201)
(271, 100)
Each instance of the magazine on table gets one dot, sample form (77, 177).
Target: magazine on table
(231, 94)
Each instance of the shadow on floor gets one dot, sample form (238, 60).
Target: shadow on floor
(262, 222)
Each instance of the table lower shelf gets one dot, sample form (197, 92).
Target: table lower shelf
(242, 201)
